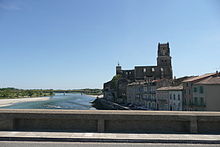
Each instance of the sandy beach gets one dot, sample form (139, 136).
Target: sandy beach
(8, 102)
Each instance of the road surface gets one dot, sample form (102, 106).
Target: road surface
(87, 144)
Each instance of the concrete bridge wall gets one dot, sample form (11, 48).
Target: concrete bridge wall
(110, 121)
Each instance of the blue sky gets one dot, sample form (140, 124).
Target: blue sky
(70, 44)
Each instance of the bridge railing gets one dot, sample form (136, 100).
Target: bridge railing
(110, 121)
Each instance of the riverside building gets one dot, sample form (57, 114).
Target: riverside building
(170, 98)
(206, 94)
(189, 91)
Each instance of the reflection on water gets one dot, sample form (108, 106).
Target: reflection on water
(59, 101)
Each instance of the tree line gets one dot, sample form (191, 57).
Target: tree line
(21, 93)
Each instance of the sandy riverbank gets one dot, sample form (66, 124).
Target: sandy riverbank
(8, 102)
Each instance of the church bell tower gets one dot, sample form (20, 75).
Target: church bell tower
(164, 60)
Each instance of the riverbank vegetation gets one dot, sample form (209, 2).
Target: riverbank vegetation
(22, 93)
(114, 81)
(6, 93)
(87, 91)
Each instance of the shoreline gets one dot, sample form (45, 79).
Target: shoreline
(9, 102)
(95, 96)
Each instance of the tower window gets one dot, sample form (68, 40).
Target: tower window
(163, 51)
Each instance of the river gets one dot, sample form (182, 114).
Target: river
(72, 101)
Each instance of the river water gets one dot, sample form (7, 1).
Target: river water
(58, 101)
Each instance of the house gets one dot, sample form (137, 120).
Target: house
(206, 94)
(170, 98)
(143, 93)
(188, 90)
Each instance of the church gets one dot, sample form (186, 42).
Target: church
(163, 69)
(116, 90)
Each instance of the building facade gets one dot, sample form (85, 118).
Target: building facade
(175, 99)
(135, 92)
(144, 93)
(170, 98)
(206, 94)
(188, 86)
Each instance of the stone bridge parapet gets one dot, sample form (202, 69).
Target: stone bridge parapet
(110, 121)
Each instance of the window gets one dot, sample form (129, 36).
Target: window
(201, 89)
(195, 89)
(153, 70)
(144, 70)
(195, 100)
(184, 91)
(171, 96)
(161, 69)
(178, 96)
(153, 105)
(202, 101)
(149, 105)
(174, 96)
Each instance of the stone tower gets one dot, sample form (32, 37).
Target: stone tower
(164, 60)
(118, 69)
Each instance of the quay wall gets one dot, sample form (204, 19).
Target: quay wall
(110, 121)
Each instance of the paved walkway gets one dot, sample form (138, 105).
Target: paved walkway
(108, 137)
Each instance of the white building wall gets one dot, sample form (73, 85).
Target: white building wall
(175, 100)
